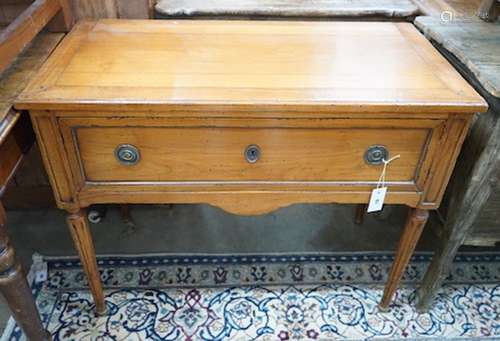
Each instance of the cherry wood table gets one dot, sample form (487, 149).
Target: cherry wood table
(248, 116)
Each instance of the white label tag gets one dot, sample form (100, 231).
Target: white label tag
(377, 199)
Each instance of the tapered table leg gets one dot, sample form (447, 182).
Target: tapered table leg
(15, 289)
(80, 232)
(413, 229)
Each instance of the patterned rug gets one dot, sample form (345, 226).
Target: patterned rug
(266, 297)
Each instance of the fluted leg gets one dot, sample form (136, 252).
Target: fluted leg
(413, 229)
(80, 232)
(15, 289)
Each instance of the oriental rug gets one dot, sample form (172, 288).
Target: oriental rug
(323, 296)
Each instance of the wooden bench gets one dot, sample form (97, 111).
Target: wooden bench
(382, 9)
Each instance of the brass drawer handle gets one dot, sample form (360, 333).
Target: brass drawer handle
(252, 153)
(375, 155)
(127, 154)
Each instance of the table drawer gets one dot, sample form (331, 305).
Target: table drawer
(106, 153)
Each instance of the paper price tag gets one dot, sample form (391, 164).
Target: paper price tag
(377, 199)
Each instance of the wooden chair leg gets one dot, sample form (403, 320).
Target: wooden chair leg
(80, 232)
(413, 229)
(15, 289)
(360, 214)
(489, 10)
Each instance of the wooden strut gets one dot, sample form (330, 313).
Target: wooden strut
(15, 289)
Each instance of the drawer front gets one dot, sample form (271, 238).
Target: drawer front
(225, 153)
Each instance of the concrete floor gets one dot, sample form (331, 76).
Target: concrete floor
(206, 229)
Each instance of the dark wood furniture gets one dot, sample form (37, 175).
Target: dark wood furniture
(248, 116)
(489, 10)
(19, 34)
(23, 49)
(16, 138)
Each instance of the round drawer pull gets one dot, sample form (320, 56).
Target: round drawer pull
(127, 154)
(376, 154)
(252, 153)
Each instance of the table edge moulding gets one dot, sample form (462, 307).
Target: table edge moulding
(289, 112)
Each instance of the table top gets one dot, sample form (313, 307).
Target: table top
(331, 66)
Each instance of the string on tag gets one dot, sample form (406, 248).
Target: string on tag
(381, 179)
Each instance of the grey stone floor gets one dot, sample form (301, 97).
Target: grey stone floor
(205, 229)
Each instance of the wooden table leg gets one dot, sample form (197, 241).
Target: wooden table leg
(80, 232)
(15, 289)
(489, 10)
(360, 214)
(413, 229)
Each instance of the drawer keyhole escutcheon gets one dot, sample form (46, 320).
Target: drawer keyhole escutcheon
(252, 153)
(376, 154)
(127, 154)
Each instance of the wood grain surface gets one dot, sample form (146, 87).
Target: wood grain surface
(287, 154)
(15, 78)
(17, 36)
(192, 95)
(157, 64)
